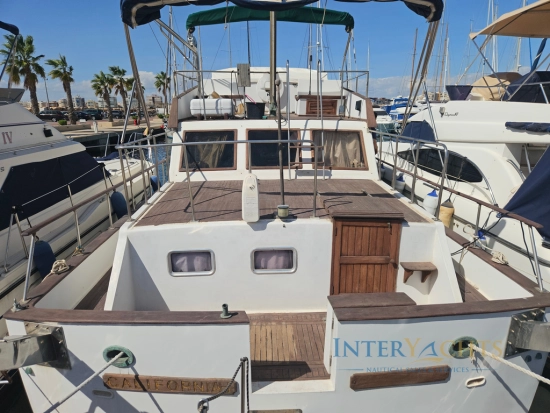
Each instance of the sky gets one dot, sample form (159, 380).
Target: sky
(91, 36)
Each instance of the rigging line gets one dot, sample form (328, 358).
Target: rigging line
(217, 51)
(157, 40)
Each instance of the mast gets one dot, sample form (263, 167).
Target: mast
(518, 50)
(272, 60)
(413, 61)
(248, 39)
(443, 59)
(446, 64)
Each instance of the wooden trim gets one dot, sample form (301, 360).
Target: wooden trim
(40, 315)
(508, 271)
(298, 146)
(358, 300)
(235, 146)
(363, 149)
(442, 310)
(419, 375)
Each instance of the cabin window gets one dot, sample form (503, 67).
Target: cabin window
(214, 156)
(342, 149)
(276, 260)
(430, 160)
(267, 154)
(191, 263)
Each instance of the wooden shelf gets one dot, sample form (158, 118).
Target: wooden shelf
(426, 268)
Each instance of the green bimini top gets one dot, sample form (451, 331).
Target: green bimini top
(235, 14)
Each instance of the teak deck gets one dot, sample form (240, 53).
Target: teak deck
(221, 201)
(287, 346)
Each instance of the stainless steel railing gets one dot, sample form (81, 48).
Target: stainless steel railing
(247, 142)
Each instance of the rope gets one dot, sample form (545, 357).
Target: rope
(203, 405)
(58, 267)
(84, 383)
(474, 348)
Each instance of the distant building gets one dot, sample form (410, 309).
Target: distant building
(153, 100)
(42, 104)
(62, 103)
(26, 105)
(79, 102)
(112, 101)
(54, 104)
(134, 103)
(91, 104)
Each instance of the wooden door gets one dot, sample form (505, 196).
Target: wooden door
(365, 256)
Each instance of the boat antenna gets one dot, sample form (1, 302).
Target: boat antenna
(413, 61)
(248, 39)
(272, 61)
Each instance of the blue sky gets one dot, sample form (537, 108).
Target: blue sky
(91, 36)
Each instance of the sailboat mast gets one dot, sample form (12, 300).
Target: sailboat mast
(518, 51)
(248, 39)
(272, 59)
(443, 58)
(413, 61)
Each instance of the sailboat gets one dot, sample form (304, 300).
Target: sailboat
(274, 271)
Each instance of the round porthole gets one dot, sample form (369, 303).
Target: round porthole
(126, 360)
(459, 348)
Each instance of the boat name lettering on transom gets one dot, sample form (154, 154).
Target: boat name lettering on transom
(131, 382)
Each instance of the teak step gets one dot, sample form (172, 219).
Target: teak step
(425, 267)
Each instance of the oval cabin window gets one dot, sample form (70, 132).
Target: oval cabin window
(191, 263)
(274, 261)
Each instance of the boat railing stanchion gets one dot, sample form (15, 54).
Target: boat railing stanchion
(107, 144)
(380, 156)
(477, 220)
(536, 258)
(156, 162)
(21, 233)
(108, 199)
(249, 145)
(141, 160)
(79, 240)
(288, 114)
(8, 244)
(394, 174)
(186, 160)
(29, 269)
(415, 172)
(314, 179)
(442, 185)
(124, 183)
(130, 177)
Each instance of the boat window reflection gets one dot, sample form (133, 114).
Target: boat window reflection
(342, 149)
(215, 156)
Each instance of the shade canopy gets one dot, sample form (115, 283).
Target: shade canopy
(529, 21)
(239, 14)
(138, 12)
(532, 199)
(10, 28)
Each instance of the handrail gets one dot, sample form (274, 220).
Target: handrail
(247, 142)
(396, 139)
(37, 227)
(477, 201)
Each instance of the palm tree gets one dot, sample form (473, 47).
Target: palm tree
(102, 84)
(120, 86)
(162, 83)
(64, 72)
(24, 64)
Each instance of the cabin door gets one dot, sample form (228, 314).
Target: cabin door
(365, 256)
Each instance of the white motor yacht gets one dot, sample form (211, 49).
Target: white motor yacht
(276, 272)
(495, 131)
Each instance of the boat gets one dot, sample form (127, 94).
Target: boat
(495, 133)
(274, 271)
(42, 173)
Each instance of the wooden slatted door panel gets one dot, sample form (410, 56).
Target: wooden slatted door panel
(365, 256)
